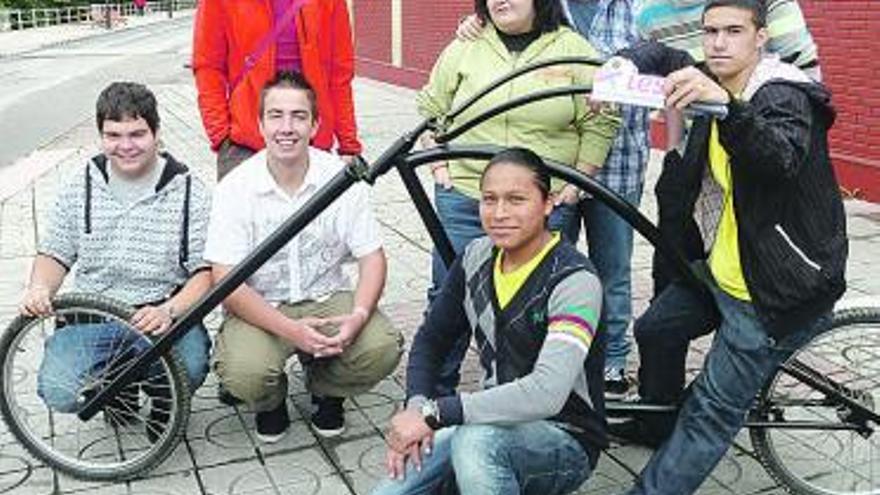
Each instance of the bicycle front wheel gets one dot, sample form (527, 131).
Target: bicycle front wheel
(825, 461)
(52, 365)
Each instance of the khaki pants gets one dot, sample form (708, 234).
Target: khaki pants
(250, 361)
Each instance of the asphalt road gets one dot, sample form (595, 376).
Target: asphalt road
(45, 93)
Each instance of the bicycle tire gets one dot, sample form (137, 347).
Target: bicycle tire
(135, 442)
(815, 461)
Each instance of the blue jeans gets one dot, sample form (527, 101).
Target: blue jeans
(678, 315)
(739, 362)
(533, 458)
(75, 352)
(610, 245)
(460, 216)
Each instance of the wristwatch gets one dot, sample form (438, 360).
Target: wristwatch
(431, 414)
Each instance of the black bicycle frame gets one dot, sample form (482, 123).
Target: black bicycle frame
(835, 394)
(400, 156)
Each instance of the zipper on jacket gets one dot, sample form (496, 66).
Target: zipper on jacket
(796, 249)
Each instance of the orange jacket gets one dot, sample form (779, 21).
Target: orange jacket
(226, 31)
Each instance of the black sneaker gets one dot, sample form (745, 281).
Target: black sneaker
(272, 425)
(635, 431)
(329, 418)
(617, 384)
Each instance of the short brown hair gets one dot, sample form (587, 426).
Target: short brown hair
(127, 100)
(290, 80)
(758, 8)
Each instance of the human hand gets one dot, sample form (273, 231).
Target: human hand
(347, 159)
(405, 427)
(395, 462)
(36, 301)
(440, 173)
(153, 319)
(309, 340)
(408, 428)
(469, 28)
(348, 326)
(439, 170)
(689, 85)
(568, 195)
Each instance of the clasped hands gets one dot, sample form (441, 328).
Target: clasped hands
(327, 337)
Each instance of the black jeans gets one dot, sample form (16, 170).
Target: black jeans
(679, 314)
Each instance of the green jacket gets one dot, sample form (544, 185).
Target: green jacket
(561, 129)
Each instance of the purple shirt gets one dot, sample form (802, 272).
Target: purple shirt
(287, 56)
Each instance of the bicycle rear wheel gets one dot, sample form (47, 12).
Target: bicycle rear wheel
(825, 461)
(138, 428)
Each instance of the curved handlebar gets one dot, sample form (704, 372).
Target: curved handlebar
(571, 175)
(455, 112)
(509, 105)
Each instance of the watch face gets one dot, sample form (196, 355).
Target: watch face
(431, 414)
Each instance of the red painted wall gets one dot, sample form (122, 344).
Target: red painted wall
(847, 31)
(428, 26)
(372, 33)
(848, 35)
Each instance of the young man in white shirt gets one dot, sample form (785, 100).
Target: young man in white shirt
(299, 301)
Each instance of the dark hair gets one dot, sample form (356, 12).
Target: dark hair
(758, 8)
(127, 100)
(525, 158)
(291, 80)
(548, 14)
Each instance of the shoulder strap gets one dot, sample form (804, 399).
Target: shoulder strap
(251, 59)
(184, 236)
(87, 213)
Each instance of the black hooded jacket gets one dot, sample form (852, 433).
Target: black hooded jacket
(790, 216)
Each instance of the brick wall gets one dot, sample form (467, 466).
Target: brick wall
(372, 31)
(398, 40)
(848, 35)
(426, 26)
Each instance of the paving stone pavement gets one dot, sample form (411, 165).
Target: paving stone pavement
(218, 455)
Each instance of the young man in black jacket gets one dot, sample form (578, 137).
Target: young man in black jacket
(760, 185)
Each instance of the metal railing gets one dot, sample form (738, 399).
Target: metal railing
(100, 14)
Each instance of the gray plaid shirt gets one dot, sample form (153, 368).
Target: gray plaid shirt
(128, 252)
(611, 29)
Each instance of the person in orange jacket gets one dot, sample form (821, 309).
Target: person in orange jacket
(238, 45)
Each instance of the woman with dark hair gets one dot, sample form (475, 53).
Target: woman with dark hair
(562, 129)
(532, 305)
(548, 14)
